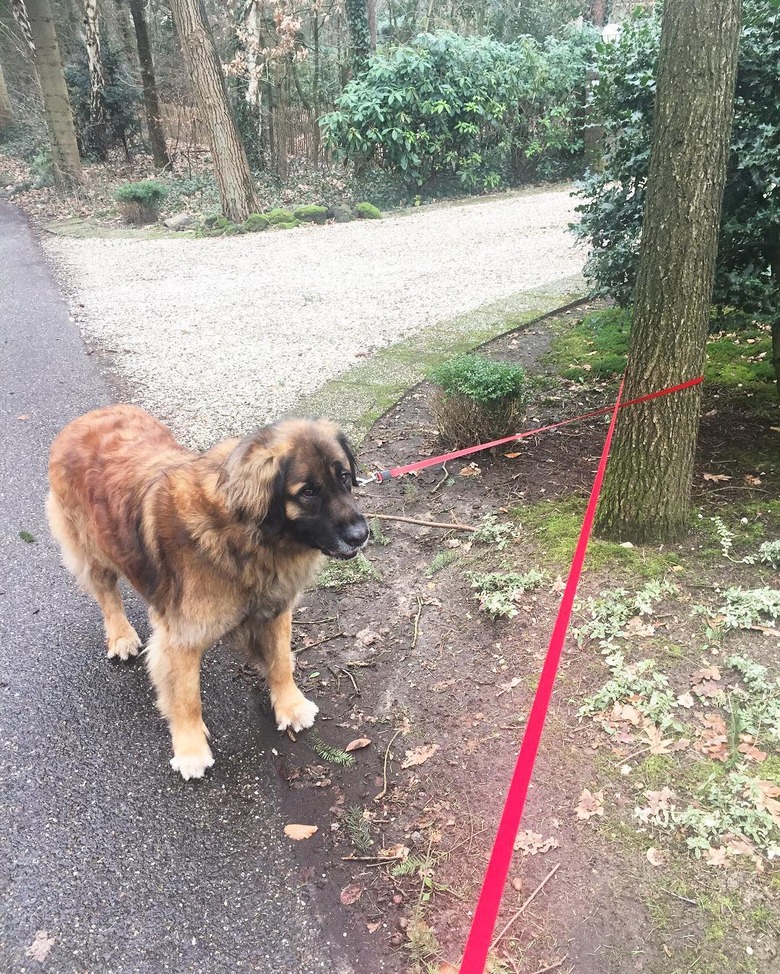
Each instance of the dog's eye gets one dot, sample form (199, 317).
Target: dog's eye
(308, 491)
(346, 478)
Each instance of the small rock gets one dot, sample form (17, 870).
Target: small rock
(182, 221)
(342, 213)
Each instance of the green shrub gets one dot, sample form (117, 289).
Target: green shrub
(139, 202)
(475, 399)
(614, 198)
(466, 109)
(256, 222)
(367, 211)
(311, 214)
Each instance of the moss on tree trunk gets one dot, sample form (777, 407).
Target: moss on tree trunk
(647, 493)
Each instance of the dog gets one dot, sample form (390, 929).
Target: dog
(218, 544)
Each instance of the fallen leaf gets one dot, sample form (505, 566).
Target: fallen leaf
(590, 804)
(658, 800)
(357, 744)
(716, 476)
(713, 737)
(686, 700)
(715, 857)
(373, 927)
(558, 585)
(655, 857)
(708, 673)
(472, 470)
(752, 753)
(351, 894)
(752, 481)
(506, 687)
(419, 755)
(624, 711)
(298, 832)
(708, 688)
(22, 418)
(638, 627)
(512, 456)
(658, 743)
(766, 800)
(398, 851)
(40, 947)
(532, 843)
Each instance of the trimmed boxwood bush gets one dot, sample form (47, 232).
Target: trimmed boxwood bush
(476, 399)
(140, 202)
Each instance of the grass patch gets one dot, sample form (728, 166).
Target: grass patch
(595, 348)
(440, 562)
(337, 574)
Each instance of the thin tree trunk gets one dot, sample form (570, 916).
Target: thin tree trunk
(231, 168)
(98, 116)
(149, 84)
(598, 12)
(647, 494)
(359, 37)
(6, 112)
(37, 25)
(775, 263)
(371, 13)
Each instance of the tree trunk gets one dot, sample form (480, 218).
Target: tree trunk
(35, 19)
(98, 138)
(359, 36)
(231, 168)
(371, 15)
(598, 12)
(149, 84)
(6, 112)
(647, 493)
(775, 263)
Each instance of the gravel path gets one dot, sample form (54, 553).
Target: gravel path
(216, 336)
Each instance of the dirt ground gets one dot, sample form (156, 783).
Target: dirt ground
(399, 653)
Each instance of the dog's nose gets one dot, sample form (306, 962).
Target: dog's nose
(356, 534)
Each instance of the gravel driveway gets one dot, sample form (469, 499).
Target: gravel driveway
(216, 336)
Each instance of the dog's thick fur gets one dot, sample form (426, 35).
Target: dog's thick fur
(219, 543)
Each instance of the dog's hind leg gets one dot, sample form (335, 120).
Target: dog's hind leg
(175, 673)
(269, 642)
(80, 557)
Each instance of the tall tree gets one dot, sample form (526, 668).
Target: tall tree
(149, 84)
(231, 168)
(647, 493)
(98, 138)
(6, 111)
(37, 25)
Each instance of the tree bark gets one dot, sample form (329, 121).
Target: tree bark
(6, 112)
(359, 36)
(98, 116)
(647, 493)
(598, 12)
(149, 85)
(231, 168)
(35, 19)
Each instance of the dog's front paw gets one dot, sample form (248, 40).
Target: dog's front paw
(295, 711)
(193, 764)
(124, 646)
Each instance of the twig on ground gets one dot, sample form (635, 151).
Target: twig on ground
(525, 905)
(678, 897)
(455, 526)
(443, 480)
(417, 621)
(551, 967)
(383, 792)
(325, 639)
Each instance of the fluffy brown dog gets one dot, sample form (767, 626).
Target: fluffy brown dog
(219, 543)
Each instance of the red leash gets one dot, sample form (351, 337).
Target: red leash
(382, 476)
(483, 924)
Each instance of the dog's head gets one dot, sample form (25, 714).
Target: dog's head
(294, 479)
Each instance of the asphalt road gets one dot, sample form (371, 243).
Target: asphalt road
(126, 867)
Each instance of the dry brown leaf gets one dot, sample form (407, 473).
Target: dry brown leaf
(351, 894)
(707, 673)
(715, 857)
(590, 804)
(686, 700)
(655, 857)
(767, 799)
(357, 744)
(658, 743)
(373, 927)
(512, 456)
(532, 843)
(419, 755)
(660, 800)
(638, 627)
(472, 470)
(716, 476)
(713, 737)
(40, 947)
(752, 481)
(752, 753)
(398, 851)
(299, 832)
(624, 711)
(708, 688)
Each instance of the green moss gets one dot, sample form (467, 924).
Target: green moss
(595, 348)
(255, 222)
(657, 770)
(287, 225)
(311, 214)
(279, 215)
(367, 211)
(556, 527)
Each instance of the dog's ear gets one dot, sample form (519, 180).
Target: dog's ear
(344, 444)
(253, 480)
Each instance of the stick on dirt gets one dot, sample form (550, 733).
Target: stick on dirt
(449, 526)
